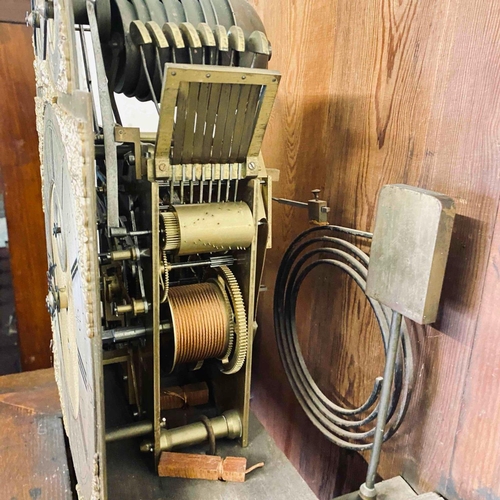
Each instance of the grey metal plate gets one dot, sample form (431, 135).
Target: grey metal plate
(409, 251)
(395, 488)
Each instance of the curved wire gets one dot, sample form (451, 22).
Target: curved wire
(346, 427)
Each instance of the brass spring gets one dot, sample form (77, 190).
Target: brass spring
(201, 322)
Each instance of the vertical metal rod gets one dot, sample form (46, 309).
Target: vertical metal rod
(238, 177)
(367, 490)
(108, 123)
(211, 183)
(148, 78)
(191, 185)
(88, 77)
(228, 183)
(158, 63)
(202, 182)
(219, 183)
(172, 181)
(183, 179)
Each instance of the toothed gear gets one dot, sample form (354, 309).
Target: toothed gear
(237, 359)
(220, 282)
(169, 240)
(171, 236)
(164, 278)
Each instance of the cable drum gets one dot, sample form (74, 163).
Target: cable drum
(351, 428)
(200, 321)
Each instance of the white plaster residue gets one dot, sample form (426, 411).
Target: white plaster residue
(62, 80)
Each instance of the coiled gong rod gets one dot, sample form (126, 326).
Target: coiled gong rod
(351, 428)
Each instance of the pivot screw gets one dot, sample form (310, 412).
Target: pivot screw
(251, 166)
(32, 19)
(56, 230)
(47, 9)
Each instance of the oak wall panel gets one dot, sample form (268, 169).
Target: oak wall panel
(20, 167)
(476, 461)
(374, 93)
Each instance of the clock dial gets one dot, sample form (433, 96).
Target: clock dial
(68, 300)
(53, 40)
(66, 136)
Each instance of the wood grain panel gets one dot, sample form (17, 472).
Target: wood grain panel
(475, 469)
(14, 11)
(32, 447)
(460, 159)
(20, 167)
(375, 93)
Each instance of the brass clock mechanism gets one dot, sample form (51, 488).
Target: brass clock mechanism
(151, 116)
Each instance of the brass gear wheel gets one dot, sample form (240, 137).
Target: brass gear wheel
(170, 236)
(234, 360)
(220, 282)
(164, 278)
(169, 240)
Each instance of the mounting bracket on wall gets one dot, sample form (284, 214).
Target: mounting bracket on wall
(318, 210)
(402, 277)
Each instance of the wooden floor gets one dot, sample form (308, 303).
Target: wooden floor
(34, 465)
(32, 448)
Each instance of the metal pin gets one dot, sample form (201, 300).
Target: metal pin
(158, 62)
(202, 182)
(228, 183)
(385, 399)
(183, 179)
(148, 78)
(88, 77)
(219, 183)
(172, 181)
(191, 184)
(211, 183)
(213, 55)
(237, 181)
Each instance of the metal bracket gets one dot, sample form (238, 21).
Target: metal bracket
(317, 209)
(108, 123)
